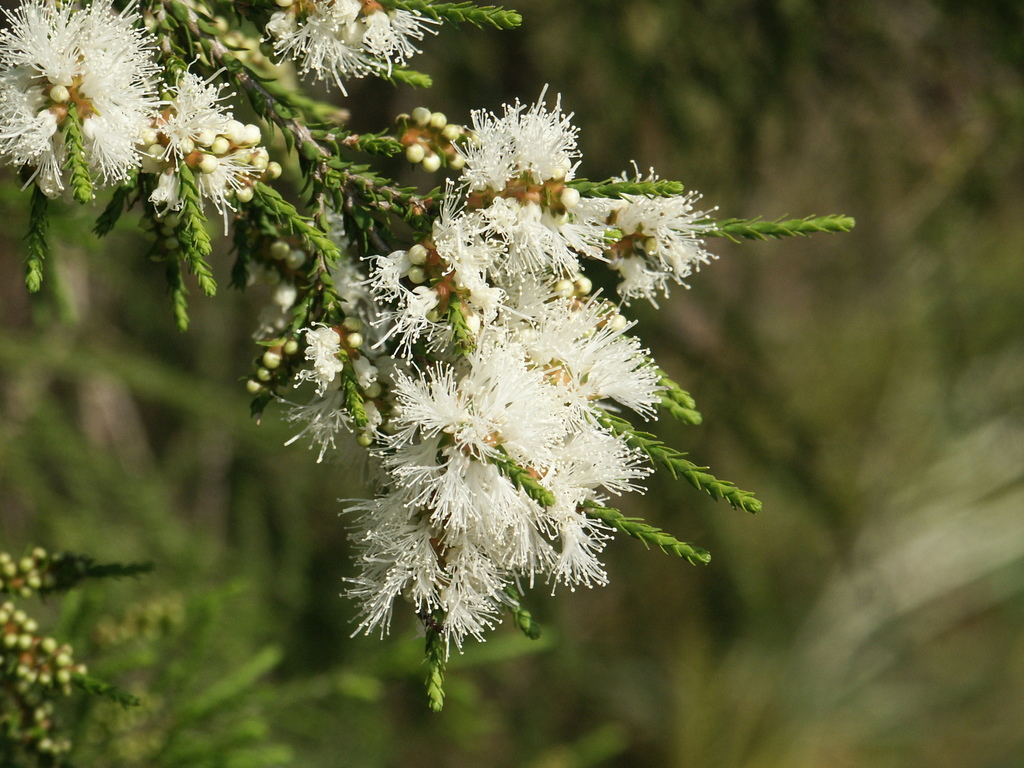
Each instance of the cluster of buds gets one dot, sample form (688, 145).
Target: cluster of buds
(273, 364)
(32, 573)
(228, 161)
(429, 139)
(32, 727)
(30, 659)
(150, 620)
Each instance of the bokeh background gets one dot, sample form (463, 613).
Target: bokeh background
(867, 386)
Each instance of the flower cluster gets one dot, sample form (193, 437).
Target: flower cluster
(341, 39)
(486, 362)
(196, 130)
(70, 75)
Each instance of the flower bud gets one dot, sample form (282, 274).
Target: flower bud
(415, 153)
(295, 259)
(438, 120)
(209, 164)
(252, 134)
(244, 194)
(235, 132)
(452, 131)
(205, 137)
(431, 163)
(291, 347)
(253, 387)
(60, 94)
(570, 198)
(273, 170)
(272, 359)
(220, 146)
(417, 275)
(417, 254)
(421, 115)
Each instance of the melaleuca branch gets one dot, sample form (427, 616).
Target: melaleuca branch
(754, 229)
(457, 13)
(522, 618)
(522, 478)
(647, 534)
(37, 247)
(436, 659)
(679, 404)
(617, 188)
(98, 687)
(679, 466)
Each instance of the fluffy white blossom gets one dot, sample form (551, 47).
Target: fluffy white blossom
(492, 362)
(323, 349)
(660, 243)
(341, 39)
(55, 56)
(196, 129)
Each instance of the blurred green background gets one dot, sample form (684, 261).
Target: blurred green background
(867, 386)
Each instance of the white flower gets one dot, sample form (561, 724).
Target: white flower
(94, 58)
(532, 142)
(323, 349)
(341, 39)
(661, 243)
(197, 130)
(324, 417)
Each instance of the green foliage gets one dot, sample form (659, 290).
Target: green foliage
(191, 231)
(74, 161)
(457, 13)
(617, 188)
(436, 660)
(523, 618)
(679, 466)
(522, 478)
(754, 229)
(37, 248)
(647, 534)
(679, 404)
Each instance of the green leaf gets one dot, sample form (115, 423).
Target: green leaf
(112, 213)
(408, 76)
(753, 229)
(648, 534)
(436, 658)
(191, 231)
(618, 188)
(522, 478)
(38, 249)
(74, 161)
(457, 13)
(676, 463)
(179, 293)
(680, 405)
(99, 688)
(522, 617)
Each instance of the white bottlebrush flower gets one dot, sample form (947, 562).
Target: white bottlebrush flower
(341, 39)
(516, 169)
(196, 129)
(94, 58)
(590, 356)
(525, 142)
(661, 243)
(323, 418)
(498, 403)
(323, 349)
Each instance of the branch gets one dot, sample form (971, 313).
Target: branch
(458, 13)
(676, 463)
(647, 534)
(753, 229)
